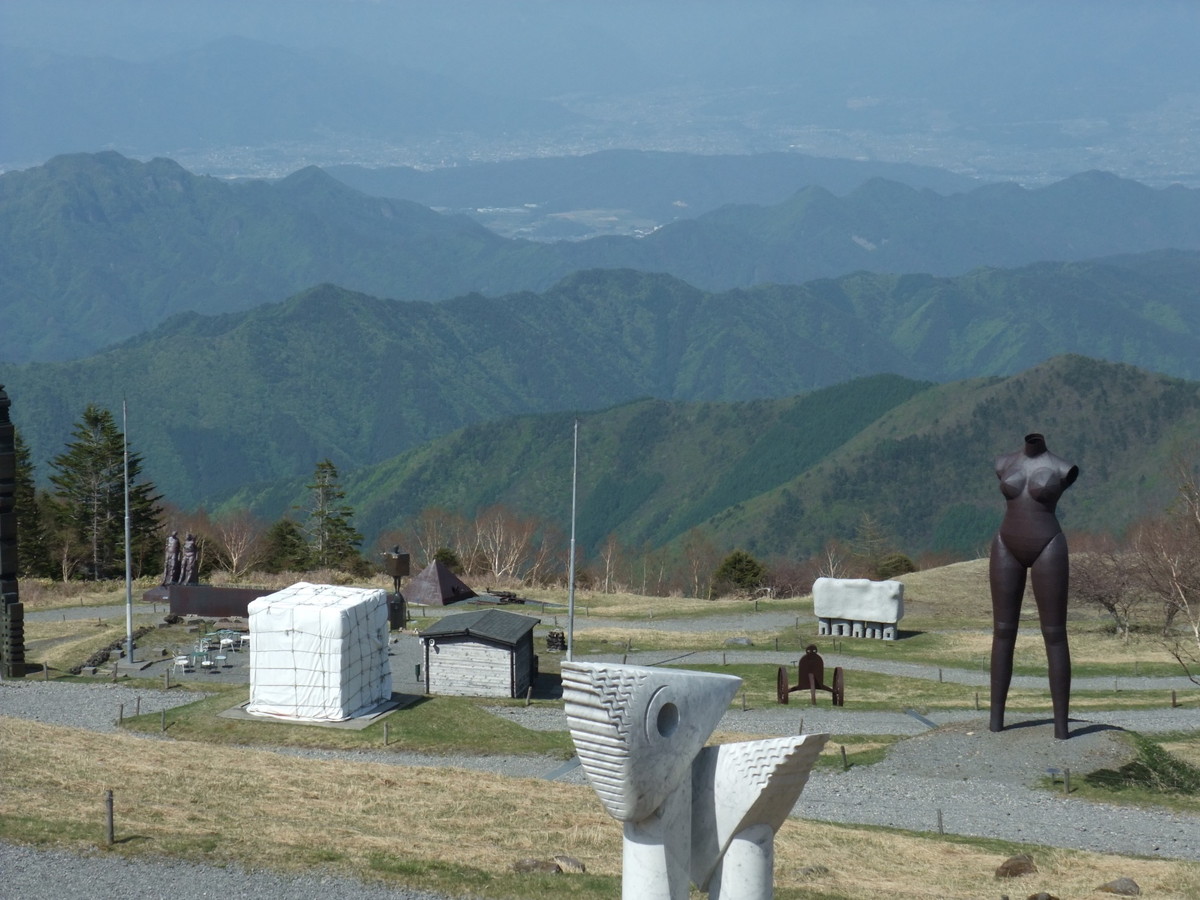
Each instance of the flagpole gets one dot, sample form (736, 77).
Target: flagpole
(571, 565)
(128, 551)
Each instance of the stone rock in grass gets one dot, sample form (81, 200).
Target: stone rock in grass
(1016, 866)
(1042, 895)
(569, 864)
(1126, 887)
(810, 872)
(536, 865)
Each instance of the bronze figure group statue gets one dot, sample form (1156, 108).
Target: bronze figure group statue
(1031, 541)
(181, 566)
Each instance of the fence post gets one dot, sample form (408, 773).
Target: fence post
(941, 828)
(109, 839)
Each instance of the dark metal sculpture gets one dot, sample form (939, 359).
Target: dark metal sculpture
(1031, 541)
(810, 676)
(189, 572)
(172, 563)
(12, 613)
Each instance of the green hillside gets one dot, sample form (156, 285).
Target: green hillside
(219, 402)
(98, 248)
(782, 477)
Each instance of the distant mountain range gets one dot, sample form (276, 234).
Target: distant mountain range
(219, 402)
(96, 248)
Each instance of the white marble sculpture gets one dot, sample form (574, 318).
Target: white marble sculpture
(858, 607)
(689, 813)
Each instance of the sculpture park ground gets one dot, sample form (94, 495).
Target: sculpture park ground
(193, 784)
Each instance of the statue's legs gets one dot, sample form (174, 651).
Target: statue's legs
(656, 851)
(747, 871)
(1051, 577)
(1007, 578)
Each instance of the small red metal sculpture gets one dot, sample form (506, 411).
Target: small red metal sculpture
(810, 676)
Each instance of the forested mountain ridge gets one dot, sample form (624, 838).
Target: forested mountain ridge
(885, 226)
(781, 477)
(95, 248)
(218, 402)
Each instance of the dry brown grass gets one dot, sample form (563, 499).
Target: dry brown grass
(956, 591)
(41, 593)
(635, 606)
(218, 805)
(669, 640)
(61, 645)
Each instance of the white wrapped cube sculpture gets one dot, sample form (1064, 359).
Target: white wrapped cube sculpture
(318, 652)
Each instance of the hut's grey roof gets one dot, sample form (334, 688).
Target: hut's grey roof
(492, 624)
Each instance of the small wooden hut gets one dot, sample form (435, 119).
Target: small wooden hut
(487, 653)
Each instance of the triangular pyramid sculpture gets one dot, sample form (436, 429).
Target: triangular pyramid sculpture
(637, 729)
(745, 790)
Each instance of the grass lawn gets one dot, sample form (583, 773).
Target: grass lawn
(454, 831)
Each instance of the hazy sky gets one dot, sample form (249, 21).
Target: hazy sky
(1084, 83)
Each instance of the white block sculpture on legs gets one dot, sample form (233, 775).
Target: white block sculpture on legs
(689, 813)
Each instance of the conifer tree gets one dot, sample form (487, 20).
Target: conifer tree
(333, 540)
(89, 499)
(286, 549)
(33, 552)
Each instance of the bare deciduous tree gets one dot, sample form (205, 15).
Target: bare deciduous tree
(1168, 551)
(832, 561)
(505, 541)
(1104, 575)
(610, 553)
(239, 542)
(435, 528)
(700, 556)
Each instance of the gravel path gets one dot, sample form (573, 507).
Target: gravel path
(32, 874)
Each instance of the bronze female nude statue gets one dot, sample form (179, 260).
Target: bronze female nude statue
(1030, 540)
